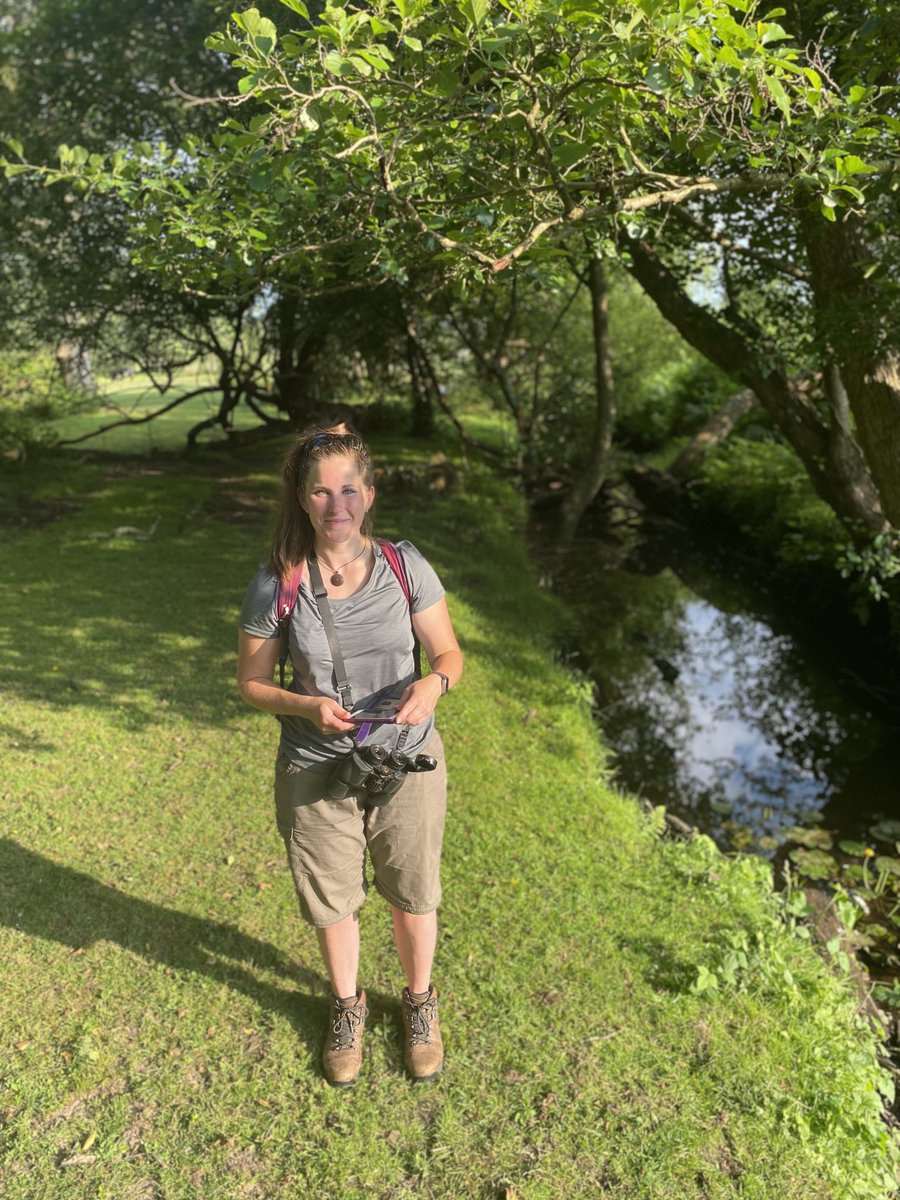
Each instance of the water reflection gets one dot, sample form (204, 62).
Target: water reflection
(716, 713)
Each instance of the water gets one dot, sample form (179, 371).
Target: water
(743, 716)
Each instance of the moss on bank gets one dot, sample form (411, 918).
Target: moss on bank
(625, 1016)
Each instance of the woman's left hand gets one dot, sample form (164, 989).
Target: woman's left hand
(419, 700)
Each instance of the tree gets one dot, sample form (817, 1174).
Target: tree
(478, 134)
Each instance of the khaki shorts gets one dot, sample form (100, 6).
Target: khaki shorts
(327, 840)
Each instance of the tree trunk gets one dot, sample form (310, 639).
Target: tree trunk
(687, 464)
(300, 347)
(852, 324)
(423, 381)
(74, 364)
(591, 479)
(832, 459)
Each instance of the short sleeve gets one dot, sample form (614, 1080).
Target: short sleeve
(425, 586)
(258, 610)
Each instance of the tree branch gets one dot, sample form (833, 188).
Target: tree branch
(137, 420)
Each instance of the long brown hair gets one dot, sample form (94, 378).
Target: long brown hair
(294, 537)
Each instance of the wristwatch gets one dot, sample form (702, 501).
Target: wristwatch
(445, 682)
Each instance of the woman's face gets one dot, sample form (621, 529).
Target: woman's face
(337, 499)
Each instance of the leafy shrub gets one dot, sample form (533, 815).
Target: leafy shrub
(32, 396)
(758, 484)
(677, 400)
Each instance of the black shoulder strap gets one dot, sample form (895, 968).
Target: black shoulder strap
(340, 671)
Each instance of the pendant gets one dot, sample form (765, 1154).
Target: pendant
(337, 579)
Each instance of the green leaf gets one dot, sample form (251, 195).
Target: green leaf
(568, 153)
(374, 60)
(261, 30)
(815, 864)
(335, 63)
(15, 145)
(657, 78)
(769, 31)
(854, 165)
(817, 839)
(445, 81)
(474, 12)
(776, 90)
(224, 44)
(886, 831)
(851, 847)
(412, 42)
(828, 213)
(857, 93)
(298, 6)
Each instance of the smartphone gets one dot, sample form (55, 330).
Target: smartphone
(372, 718)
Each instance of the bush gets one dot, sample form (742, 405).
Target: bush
(32, 395)
(676, 402)
(758, 484)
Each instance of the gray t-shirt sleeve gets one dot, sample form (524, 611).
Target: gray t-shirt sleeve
(425, 587)
(258, 610)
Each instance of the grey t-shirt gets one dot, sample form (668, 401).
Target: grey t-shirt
(376, 640)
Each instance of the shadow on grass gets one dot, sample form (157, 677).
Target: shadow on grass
(43, 899)
(142, 630)
(145, 630)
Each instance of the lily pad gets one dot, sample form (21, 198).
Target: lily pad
(816, 839)
(849, 847)
(886, 831)
(815, 864)
(891, 866)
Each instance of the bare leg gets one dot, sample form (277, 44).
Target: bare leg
(415, 935)
(340, 948)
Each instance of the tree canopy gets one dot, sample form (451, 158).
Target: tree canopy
(743, 151)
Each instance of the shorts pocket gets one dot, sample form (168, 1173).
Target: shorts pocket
(285, 766)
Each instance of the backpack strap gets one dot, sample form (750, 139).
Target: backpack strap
(398, 566)
(286, 601)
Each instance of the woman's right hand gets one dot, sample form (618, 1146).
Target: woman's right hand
(328, 716)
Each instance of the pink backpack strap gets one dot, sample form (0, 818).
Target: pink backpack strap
(285, 602)
(397, 565)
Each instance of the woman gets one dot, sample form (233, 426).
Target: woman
(324, 529)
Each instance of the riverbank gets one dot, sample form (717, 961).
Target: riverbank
(626, 1016)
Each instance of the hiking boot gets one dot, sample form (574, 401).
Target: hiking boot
(342, 1053)
(423, 1051)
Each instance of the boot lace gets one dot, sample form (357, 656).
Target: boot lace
(419, 1018)
(344, 1027)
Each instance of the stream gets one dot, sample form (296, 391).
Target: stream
(743, 712)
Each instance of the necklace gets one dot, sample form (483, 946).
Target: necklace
(336, 577)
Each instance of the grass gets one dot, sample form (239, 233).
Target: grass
(135, 397)
(625, 1016)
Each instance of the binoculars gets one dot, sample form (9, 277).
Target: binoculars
(375, 771)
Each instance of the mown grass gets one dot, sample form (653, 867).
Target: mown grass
(135, 398)
(162, 1005)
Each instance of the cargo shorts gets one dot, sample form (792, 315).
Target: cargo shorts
(327, 840)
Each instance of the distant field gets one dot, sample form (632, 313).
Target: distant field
(136, 397)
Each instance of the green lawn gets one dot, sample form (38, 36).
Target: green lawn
(162, 1006)
(135, 398)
